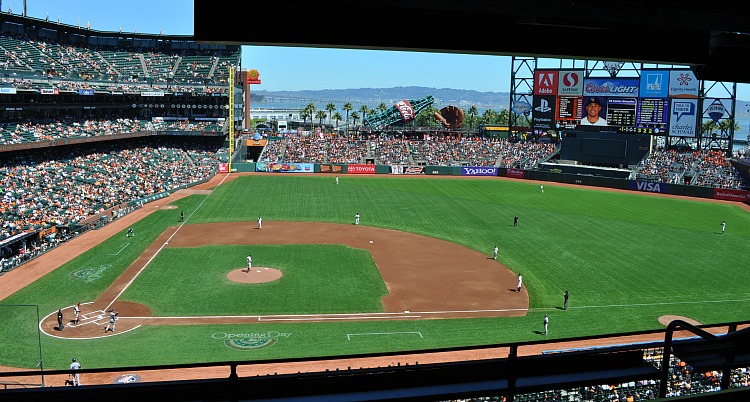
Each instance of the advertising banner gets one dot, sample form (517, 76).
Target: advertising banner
(49, 91)
(330, 169)
(649, 186)
(514, 173)
(223, 168)
(731, 195)
(360, 169)
(290, 167)
(87, 92)
(478, 171)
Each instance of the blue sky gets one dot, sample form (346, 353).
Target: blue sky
(293, 68)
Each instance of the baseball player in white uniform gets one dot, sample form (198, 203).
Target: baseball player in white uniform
(249, 263)
(260, 223)
(494, 253)
(76, 312)
(112, 318)
(356, 219)
(76, 377)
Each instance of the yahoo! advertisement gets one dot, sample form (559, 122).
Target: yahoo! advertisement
(478, 171)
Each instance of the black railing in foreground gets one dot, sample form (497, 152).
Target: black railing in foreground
(517, 373)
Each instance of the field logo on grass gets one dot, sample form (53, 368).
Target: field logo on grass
(252, 341)
(90, 274)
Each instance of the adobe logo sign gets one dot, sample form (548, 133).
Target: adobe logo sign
(545, 82)
(571, 83)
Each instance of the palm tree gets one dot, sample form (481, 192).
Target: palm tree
(330, 107)
(347, 108)
(473, 112)
(320, 115)
(382, 107)
(311, 108)
(426, 117)
(364, 110)
(355, 116)
(304, 114)
(489, 116)
(337, 117)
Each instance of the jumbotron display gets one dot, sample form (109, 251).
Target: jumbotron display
(659, 102)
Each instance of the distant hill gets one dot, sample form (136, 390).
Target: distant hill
(372, 97)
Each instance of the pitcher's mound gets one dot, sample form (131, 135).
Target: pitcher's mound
(256, 275)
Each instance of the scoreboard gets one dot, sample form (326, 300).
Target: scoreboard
(658, 102)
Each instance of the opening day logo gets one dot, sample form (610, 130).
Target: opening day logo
(250, 341)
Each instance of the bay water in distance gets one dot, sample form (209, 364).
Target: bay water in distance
(741, 134)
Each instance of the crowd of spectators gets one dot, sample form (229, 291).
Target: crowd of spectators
(67, 187)
(399, 150)
(707, 168)
(70, 127)
(712, 169)
(683, 381)
(33, 63)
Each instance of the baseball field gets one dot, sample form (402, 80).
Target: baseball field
(416, 273)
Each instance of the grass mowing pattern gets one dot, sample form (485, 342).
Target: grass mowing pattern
(626, 258)
(315, 279)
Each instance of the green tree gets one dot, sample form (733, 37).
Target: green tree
(489, 116)
(337, 117)
(330, 107)
(320, 115)
(355, 117)
(347, 108)
(311, 109)
(473, 112)
(305, 114)
(364, 110)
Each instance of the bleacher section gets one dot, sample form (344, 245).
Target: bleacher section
(40, 59)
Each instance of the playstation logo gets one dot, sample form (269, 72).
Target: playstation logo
(543, 106)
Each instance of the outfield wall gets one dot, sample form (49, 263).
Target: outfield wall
(575, 177)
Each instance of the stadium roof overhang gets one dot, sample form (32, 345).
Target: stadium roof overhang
(710, 37)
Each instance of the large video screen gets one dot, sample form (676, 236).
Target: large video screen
(658, 102)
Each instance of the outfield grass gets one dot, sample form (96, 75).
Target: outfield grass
(626, 258)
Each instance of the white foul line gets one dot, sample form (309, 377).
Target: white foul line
(159, 250)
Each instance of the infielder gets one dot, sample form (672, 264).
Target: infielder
(260, 223)
(494, 253)
(356, 219)
(520, 282)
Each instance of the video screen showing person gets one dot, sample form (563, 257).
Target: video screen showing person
(593, 112)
